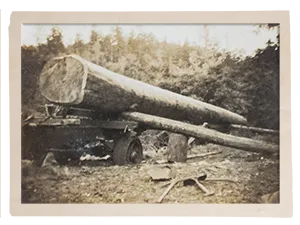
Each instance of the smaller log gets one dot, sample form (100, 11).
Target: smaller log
(211, 136)
(255, 129)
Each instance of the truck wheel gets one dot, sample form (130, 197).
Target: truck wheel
(128, 150)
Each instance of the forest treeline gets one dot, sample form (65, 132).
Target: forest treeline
(248, 86)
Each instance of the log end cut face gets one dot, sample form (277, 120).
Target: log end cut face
(63, 80)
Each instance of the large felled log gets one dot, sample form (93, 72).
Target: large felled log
(201, 132)
(71, 80)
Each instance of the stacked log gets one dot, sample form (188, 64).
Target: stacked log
(72, 80)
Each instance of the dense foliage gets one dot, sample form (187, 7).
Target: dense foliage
(248, 86)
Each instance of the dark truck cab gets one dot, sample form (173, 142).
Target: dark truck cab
(72, 132)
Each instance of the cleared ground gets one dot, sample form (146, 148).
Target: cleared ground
(253, 174)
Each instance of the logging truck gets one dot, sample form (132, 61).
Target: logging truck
(70, 133)
(105, 111)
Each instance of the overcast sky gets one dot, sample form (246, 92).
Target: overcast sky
(243, 38)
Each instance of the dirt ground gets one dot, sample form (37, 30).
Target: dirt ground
(253, 175)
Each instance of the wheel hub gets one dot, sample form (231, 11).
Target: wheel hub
(133, 156)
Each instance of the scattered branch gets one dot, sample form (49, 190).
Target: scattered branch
(172, 184)
(203, 155)
(221, 179)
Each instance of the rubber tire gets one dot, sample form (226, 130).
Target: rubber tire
(124, 148)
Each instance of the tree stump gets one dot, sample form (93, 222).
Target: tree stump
(177, 148)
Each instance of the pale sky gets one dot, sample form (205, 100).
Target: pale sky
(242, 38)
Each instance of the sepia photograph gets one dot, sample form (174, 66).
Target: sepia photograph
(150, 113)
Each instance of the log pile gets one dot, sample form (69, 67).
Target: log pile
(74, 81)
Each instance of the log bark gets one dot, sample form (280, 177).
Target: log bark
(211, 136)
(71, 80)
(177, 148)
